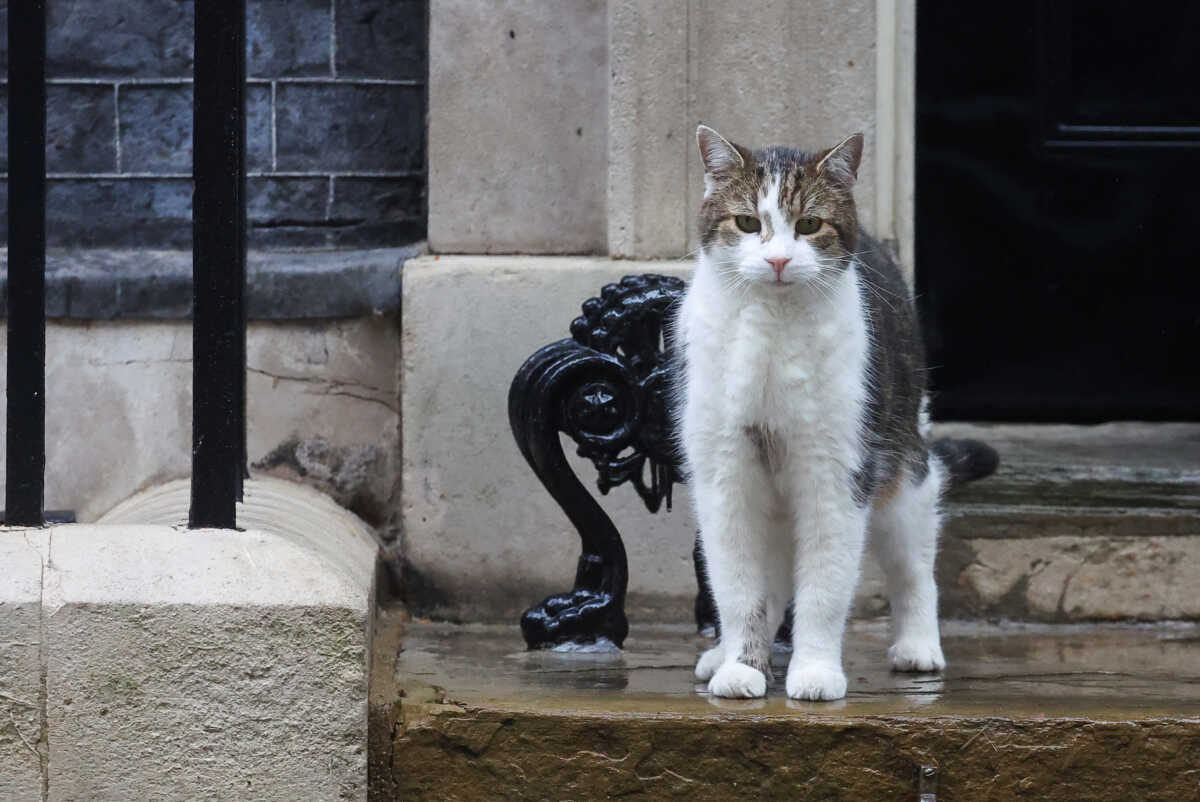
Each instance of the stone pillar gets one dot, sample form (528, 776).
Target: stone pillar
(518, 121)
(650, 134)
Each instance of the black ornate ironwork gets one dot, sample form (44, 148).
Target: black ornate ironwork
(606, 387)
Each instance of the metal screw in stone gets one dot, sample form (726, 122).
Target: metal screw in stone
(927, 784)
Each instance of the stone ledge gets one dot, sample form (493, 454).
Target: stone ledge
(99, 284)
(206, 665)
(1071, 712)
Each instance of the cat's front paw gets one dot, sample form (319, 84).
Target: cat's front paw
(709, 662)
(816, 682)
(737, 681)
(917, 656)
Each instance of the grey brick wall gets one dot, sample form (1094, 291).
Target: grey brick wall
(335, 122)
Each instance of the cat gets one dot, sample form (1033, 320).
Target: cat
(801, 413)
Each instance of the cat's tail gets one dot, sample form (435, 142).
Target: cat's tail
(965, 460)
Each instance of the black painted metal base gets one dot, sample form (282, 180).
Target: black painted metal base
(605, 387)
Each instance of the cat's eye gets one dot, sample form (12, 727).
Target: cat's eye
(748, 223)
(808, 225)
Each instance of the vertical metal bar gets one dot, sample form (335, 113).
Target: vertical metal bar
(219, 263)
(25, 489)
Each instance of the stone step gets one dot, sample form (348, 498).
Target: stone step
(1031, 711)
(1078, 523)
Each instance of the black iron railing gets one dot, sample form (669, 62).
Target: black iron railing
(219, 263)
(26, 452)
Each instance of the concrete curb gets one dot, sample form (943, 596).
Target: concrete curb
(187, 664)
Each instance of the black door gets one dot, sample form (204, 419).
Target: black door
(1058, 208)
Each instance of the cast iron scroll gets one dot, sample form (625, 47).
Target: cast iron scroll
(606, 388)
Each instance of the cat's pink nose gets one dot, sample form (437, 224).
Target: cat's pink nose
(779, 263)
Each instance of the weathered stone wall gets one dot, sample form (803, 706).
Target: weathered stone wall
(322, 408)
(335, 122)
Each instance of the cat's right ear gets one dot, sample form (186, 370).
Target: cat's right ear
(720, 156)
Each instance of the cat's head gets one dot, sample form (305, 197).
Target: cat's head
(778, 216)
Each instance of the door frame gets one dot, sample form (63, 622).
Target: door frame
(896, 126)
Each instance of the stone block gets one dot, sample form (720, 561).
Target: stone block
(120, 38)
(80, 123)
(1074, 578)
(140, 212)
(156, 128)
(650, 134)
(287, 39)
(79, 129)
(378, 198)
(350, 127)
(518, 126)
(260, 120)
(22, 753)
(205, 665)
(368, 210)
(381, 39)
(286, 201)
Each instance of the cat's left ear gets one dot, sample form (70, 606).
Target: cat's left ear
(841, 161)
(720, 156)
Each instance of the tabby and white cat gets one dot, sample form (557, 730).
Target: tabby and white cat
(801, 420)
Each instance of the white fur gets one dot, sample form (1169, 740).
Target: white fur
(787, 355)
(904, 537)
(736, 681)
(709, 662)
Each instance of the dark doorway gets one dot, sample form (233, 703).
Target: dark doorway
(1058, 208)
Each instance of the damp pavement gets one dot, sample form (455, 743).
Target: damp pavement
(1023, 711)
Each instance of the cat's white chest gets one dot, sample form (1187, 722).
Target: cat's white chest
(794, 363)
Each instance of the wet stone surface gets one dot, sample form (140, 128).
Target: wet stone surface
(1113, 672)
(1023, 711)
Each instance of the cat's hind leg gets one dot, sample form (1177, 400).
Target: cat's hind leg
(904, 534)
